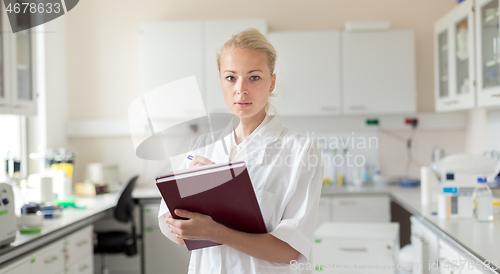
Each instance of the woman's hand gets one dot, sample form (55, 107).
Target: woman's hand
(200, 161)
(179, 241)
(198, 227)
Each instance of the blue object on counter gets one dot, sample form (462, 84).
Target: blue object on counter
(409, 183)
(460, 1)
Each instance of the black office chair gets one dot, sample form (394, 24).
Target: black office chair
(113, 242)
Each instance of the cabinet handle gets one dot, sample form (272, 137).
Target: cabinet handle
(83, 268)
(452, 102)
(20, 106)
(495, 95)
(347, 203)
(50, 260)
(354, 249)
(328, 108)
(357, 107)
(81, 243)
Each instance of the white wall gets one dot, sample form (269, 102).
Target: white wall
(103, 39)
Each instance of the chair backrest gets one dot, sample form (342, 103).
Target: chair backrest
(125, 204)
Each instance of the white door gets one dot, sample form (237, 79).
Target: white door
(217, 32)
(379, 72)
(171, 51)
(488, 53)
(454, 69)
(307, 72)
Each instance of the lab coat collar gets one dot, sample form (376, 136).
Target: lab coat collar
(254, 151)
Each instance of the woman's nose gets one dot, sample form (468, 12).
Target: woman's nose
(241, 87)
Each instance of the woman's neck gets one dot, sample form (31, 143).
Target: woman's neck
(247, 126)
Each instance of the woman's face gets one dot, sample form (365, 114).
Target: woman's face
(246, 81)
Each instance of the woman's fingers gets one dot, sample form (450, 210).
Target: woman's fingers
(200, 161)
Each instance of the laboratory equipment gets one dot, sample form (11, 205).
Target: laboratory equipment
(483, 201)
(7, 215)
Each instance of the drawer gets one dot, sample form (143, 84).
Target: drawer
(79, 245)
(150, 214)
(20, 266)
(49, 259)
(360, 256)
(361, 209)
(84, 266)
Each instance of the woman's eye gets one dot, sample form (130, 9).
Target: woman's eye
(254, 78)
(230, 78)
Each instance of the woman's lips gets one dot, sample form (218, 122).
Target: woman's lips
(243, 105)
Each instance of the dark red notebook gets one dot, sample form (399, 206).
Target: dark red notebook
(222, 191)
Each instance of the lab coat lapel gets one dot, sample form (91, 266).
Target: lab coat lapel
(254, 151)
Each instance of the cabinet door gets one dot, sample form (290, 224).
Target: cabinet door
(161, 253)
(449, 259)
(23, 49)
(307, 72)
(455, 59)
(379, 72)
(425, 247)
(217, 32)
(324, 214)
(21, 266)
(488, 53)
(361, 209)
(79, 245)
(171, 51)
(49, 259)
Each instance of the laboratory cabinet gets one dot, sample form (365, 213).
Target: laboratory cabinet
(454, 62)
(71, 254)
(425, 248)
(17, 66)
(307, 72)
(355, 248)
(172, 50)
(363, 208)
(488, 53)
(161, 253)
(378, 72)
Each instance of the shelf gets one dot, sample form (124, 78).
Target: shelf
(492, 63)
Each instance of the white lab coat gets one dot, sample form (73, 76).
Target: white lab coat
(286, 170)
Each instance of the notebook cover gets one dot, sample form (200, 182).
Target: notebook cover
(232, 203)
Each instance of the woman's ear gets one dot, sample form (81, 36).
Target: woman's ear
(273, 83)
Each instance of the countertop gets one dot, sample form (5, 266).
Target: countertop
(475, 240)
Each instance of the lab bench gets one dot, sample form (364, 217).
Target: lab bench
(473, 241)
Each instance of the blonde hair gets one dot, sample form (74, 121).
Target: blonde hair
(252, 39)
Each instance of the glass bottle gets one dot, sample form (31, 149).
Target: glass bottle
(483, 201)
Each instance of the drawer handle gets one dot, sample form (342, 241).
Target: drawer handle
(357, 107)
(83, 268)
(354, 249)
(20, 106)
(328, 108)
(347, 203)
(81, 243)
(50, 260)
(451, 102)
(495, 95)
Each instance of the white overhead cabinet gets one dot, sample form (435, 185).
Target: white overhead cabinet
(488, 53)
(217, 32)
(454, 60)
(170, 51)
(17, 63)
(378, 72)
(173, 50)
(308, 72)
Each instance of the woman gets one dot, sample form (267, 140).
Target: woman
(285, 168)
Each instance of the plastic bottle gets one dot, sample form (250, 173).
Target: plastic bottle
(462, 49)
(483, 201)
(378, 180)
